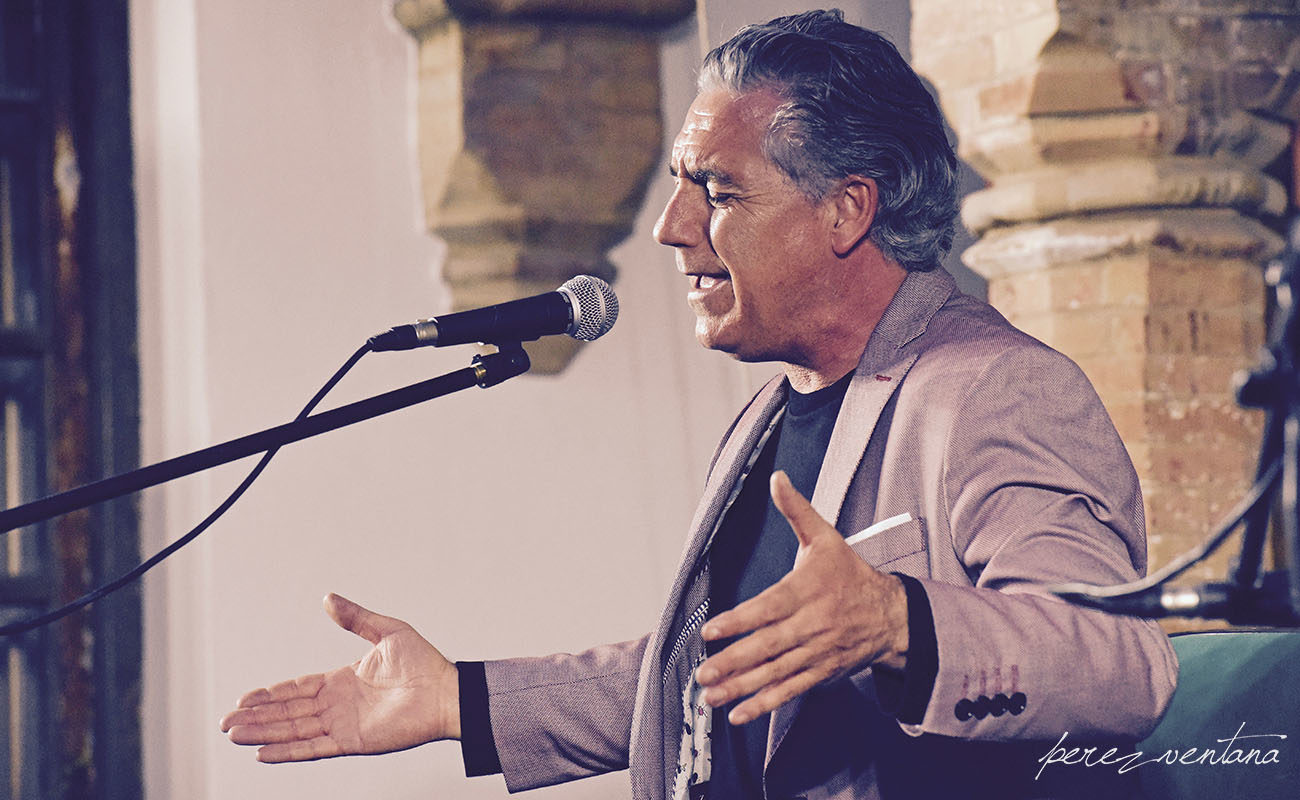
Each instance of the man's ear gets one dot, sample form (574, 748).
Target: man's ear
(854, 205)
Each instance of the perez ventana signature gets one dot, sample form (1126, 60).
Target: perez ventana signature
(1230, 753)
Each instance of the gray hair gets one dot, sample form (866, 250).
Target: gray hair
(854, 108)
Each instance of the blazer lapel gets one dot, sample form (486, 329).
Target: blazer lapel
(866, 397)
(880, 371)
(724, 478)
(654, 743)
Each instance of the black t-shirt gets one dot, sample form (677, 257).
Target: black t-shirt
(753, 549)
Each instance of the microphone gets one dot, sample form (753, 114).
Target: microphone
(1209, 600)
(584, 307)
(1267, 603)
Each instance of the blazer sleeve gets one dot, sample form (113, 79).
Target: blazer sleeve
(1037, 489)
(562, 717)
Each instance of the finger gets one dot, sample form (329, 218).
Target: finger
(769, 673)
(290, 730)
(773, 604)
(362, 621)
(759, 647)
(308, 750)
(803, 518)
(301, 687)
(773, 697)
(270, 713)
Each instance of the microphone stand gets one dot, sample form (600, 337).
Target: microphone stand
(485, 370)
(1251, 597)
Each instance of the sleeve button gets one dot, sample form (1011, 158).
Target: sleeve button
(1017, 702)
(999, 705)
(963, 710)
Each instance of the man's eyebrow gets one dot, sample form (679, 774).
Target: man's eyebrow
(705, 175)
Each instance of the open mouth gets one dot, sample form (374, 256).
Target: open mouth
(706, 282)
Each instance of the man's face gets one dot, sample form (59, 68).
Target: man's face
(756, 250)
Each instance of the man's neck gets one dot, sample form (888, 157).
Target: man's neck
(837, 353)
(806, 380)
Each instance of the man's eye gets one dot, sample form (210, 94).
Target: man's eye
(717, 199)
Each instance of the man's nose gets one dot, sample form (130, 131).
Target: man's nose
(680, 224)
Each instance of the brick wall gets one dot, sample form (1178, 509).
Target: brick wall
(1137, 159)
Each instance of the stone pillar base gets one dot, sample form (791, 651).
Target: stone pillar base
(539, 127)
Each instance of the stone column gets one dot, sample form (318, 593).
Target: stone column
(1131, 151)
(539, 125)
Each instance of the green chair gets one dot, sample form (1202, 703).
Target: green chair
(1238, 696)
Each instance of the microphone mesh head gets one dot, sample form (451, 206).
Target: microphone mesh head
(595, 307)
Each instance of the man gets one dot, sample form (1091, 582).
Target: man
(956, 469)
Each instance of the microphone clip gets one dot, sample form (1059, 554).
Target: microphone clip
(509, 360)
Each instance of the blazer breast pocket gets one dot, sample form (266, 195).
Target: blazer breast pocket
(897, 544)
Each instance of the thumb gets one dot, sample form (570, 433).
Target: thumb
(363, 622)
(803, 518)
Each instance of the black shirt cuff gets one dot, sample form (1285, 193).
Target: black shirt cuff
(477, 746)
(906, 695)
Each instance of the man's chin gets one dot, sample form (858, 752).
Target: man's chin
(712, 339)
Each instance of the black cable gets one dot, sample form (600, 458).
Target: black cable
(1261, 490)
(17, 628)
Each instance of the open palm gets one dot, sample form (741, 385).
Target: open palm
(401, 694)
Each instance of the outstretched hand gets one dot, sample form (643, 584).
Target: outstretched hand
(830, 615)
(401, 694)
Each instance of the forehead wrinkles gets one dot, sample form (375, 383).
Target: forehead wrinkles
(694, 135)
(724, 123)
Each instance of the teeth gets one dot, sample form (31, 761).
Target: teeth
(707, 282)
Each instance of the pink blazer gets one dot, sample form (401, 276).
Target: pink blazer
(1007, 476)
